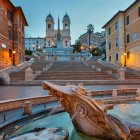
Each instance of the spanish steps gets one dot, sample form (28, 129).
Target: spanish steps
(87, 70)
(20, 75)
(72, 71)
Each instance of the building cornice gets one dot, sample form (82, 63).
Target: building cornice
(120, 12)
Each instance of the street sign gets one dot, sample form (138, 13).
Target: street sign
(3, 46)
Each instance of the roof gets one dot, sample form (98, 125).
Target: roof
(113, 18)
(26, 23)
(50, 16)
(120, 12)
(34, 38)
(66, 16)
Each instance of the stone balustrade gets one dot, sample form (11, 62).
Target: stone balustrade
(99, 69)
(121, 73)
(109, 72)
(16, 68)
(93, 66)
(115, 93)
(20, 103)
(45, 69)
(7, 70)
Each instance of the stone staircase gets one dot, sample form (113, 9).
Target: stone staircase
(72, 71)
(131, 76)
(20, 75)
(105, 69)
(87, 70)
(17, 76)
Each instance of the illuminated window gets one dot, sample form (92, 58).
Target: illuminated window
(128, 54)
(10, 53)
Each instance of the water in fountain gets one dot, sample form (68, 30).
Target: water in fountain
(53, 110)
(67, 126)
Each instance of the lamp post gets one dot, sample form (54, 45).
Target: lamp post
(14, 52)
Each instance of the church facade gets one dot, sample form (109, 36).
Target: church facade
(51, 33)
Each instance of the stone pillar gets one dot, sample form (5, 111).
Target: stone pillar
(68, 84)
(93, 66)
(121, 73)
(138, 92)
(81, 58)
(28, 74)
(99, 69)
(114, 94)
(44, 68)
(6, 79)
(89, 94)
(81, 88)
(109, 72)
(28, 108)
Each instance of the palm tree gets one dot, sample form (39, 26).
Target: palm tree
(90, 30)
(77, 47)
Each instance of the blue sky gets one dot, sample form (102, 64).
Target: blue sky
(81, 12)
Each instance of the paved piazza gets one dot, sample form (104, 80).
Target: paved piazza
(11, 93)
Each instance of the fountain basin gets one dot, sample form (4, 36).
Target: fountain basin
(49, 134)
(128, 112)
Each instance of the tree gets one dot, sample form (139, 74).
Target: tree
(90, 30)
(77, 47)
(28, 52)
(96, 52)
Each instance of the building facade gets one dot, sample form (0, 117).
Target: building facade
(12, 23)
(34, 43)
(123, 37)
(96, 40)
(51, 33)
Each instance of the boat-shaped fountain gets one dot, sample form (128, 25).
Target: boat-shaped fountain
(88, 116)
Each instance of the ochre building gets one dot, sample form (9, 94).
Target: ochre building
(123, 37)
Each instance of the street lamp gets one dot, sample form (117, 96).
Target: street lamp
(14, 52)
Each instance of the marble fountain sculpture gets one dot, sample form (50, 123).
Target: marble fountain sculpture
(88, 116)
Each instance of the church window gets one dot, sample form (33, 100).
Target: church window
(49, 42)
(66, 26)
(66, 43)
(49, 26)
